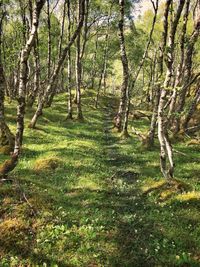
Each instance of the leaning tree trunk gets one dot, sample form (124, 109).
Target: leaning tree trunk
(53, 80)
(52, 94)
(119, 117)
(25, 53)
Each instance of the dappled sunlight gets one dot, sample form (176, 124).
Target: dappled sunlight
(94, 198)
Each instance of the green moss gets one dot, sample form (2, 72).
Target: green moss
(98, 200)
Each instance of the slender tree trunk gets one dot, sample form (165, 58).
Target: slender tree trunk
(9, 165)
(49, 41)
(69, 70)
(133, 80)
(122, 106)
(51, 96)
(165, 146)
(104, 71)
(34, 92)
(151, 134)
(98, 90)
(94, 62)
(78, 78)
(178, 79)
(23, 77)
(79, 56)
(105, 58)
(6, 137)
(187, 74)
(52, 82)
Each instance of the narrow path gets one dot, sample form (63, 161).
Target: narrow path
(124, 198)
(115, 157)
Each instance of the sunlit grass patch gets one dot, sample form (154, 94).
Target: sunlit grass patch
(151, 185)
(188, 196)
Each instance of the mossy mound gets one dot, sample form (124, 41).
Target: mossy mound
(48, 164)
(164, 190)
(6, 150)
(14, 234)
(174, 188)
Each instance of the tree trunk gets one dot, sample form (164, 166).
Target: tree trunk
(93, 71)
(165, 146)
(6, 137)
(52, 94)
(151, 134)
(49, 41)
(133, 80)
(187, 73)
(178, 79)
(119, 117)
(69, 71)
(9, 165)
(78, 78)
(34, 92)
(53, 80)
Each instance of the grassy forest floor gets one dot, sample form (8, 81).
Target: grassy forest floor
(94, 199)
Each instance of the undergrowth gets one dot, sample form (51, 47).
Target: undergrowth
(81, 196)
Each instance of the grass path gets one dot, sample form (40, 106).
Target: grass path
(100, 200)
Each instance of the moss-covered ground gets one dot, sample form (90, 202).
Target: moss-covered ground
(81, 196)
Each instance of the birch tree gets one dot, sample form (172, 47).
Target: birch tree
(25, 53)
(52, 83)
